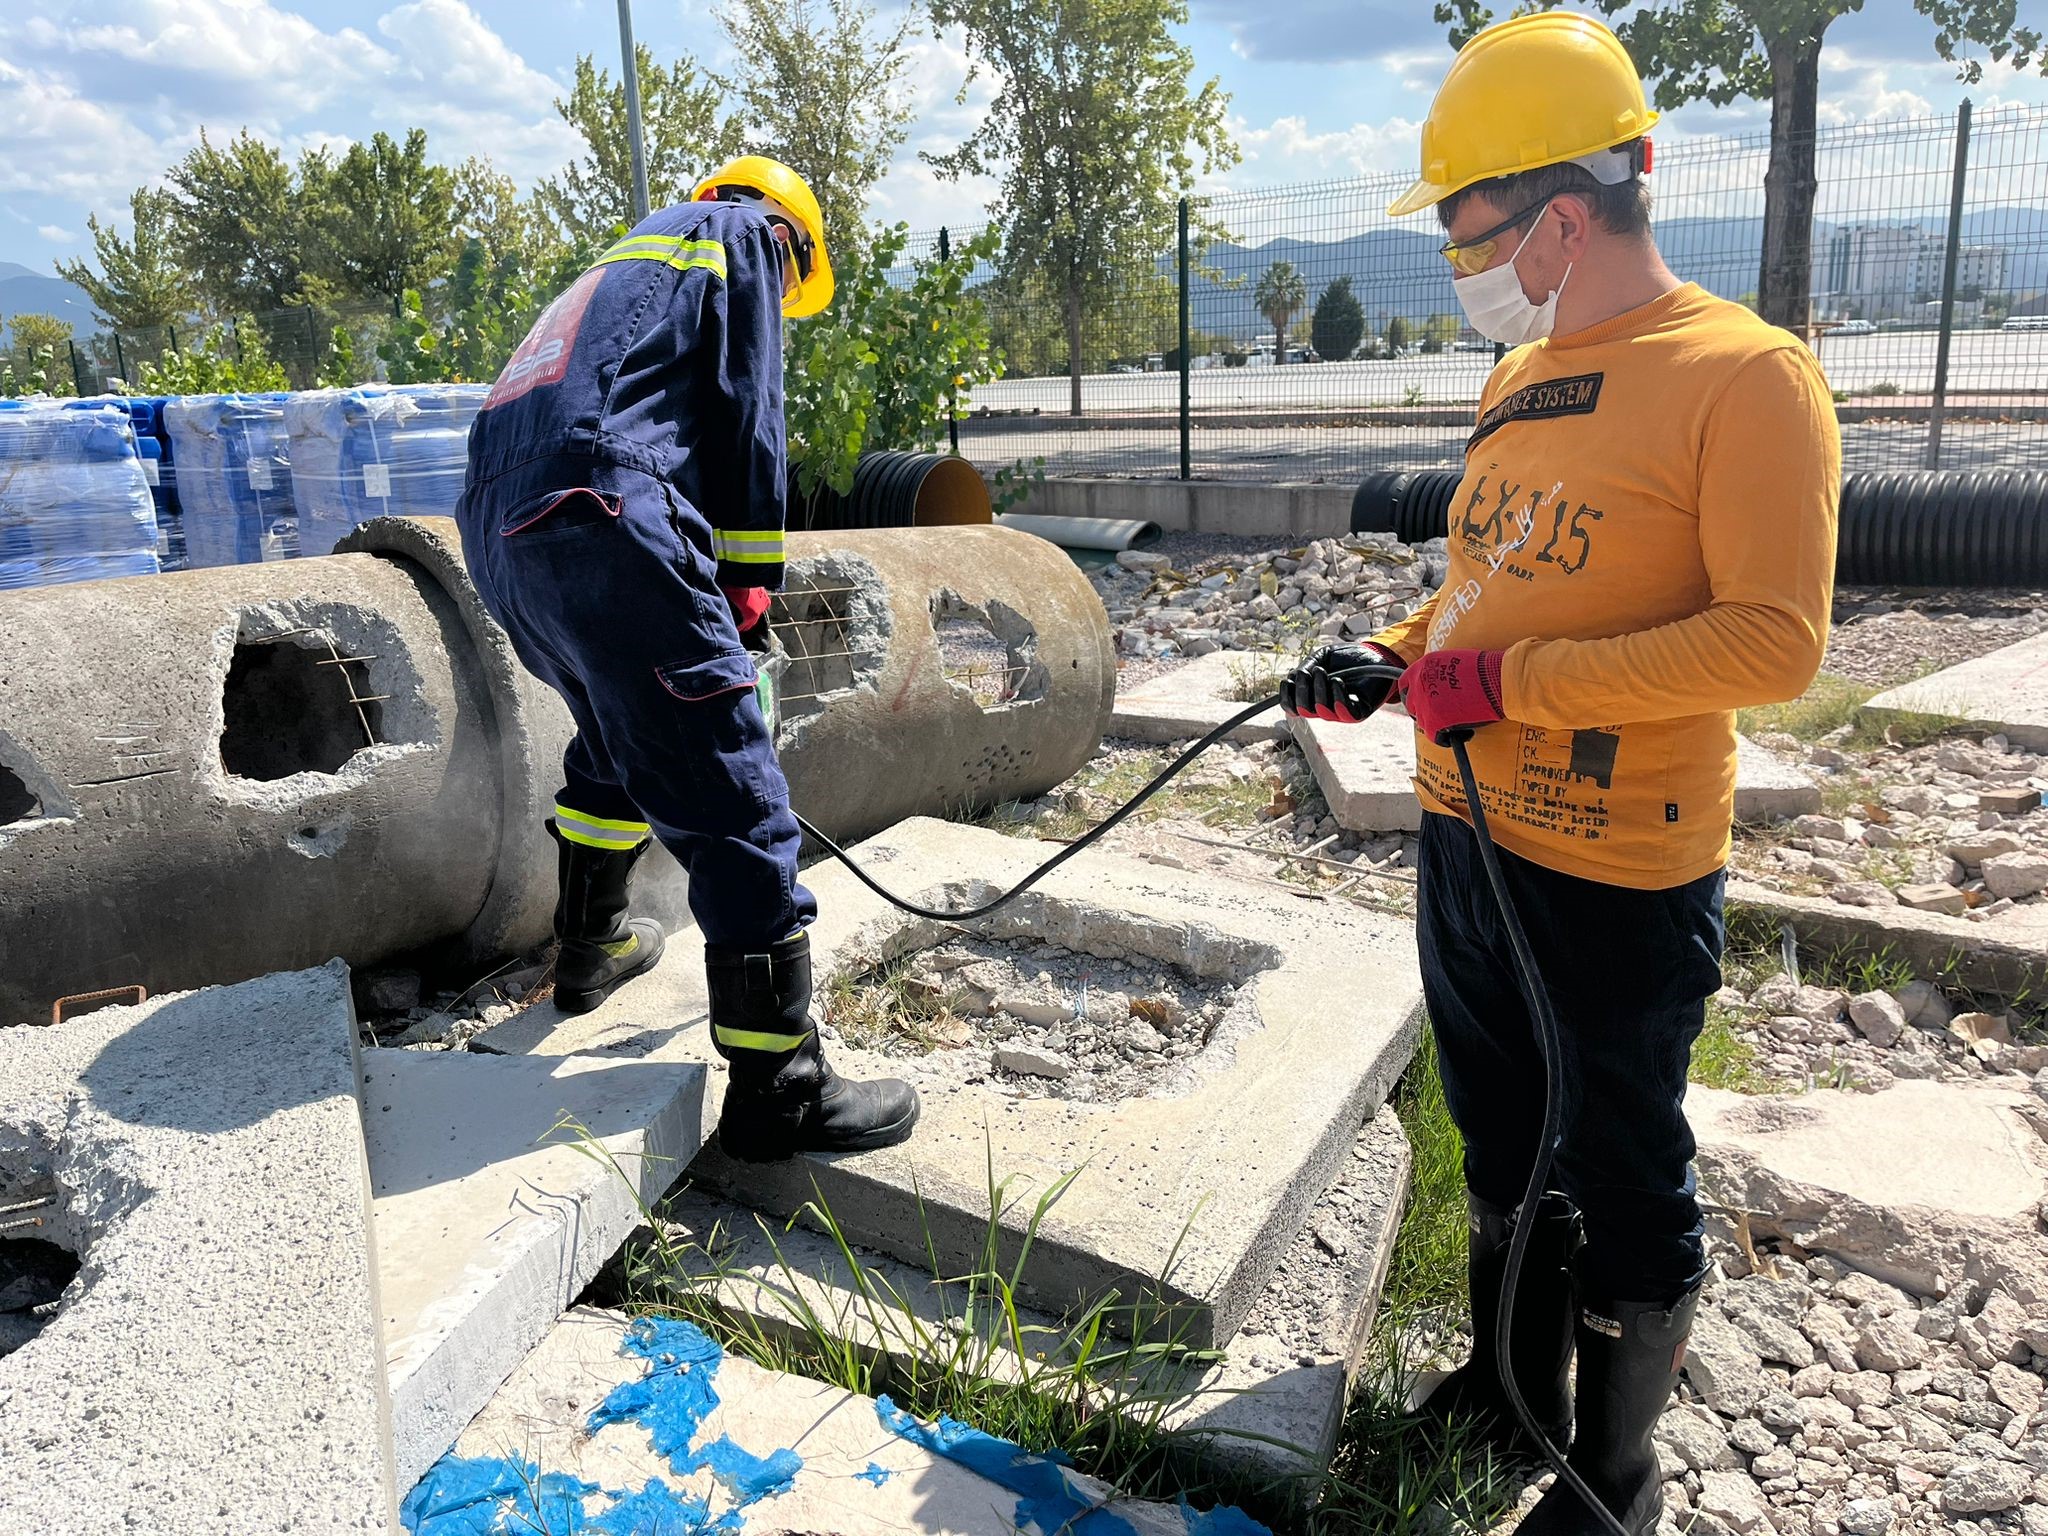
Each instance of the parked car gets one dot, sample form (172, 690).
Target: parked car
(1855, 328)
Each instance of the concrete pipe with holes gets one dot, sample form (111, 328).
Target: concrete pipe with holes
(212, 775)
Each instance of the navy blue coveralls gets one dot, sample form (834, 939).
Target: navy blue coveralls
(627, 464)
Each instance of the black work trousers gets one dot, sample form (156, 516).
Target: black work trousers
(1628, 973)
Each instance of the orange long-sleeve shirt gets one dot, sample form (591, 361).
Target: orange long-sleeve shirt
(1646, 526)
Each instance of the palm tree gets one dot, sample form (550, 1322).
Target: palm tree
(1281, 295)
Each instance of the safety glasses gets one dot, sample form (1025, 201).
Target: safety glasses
(1470, 257)
(797, 254)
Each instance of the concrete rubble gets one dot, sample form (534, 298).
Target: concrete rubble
(217, 1361)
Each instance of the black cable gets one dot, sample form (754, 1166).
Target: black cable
(1525, 962)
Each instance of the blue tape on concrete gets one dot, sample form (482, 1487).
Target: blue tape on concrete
(670, 1401)
(657, 1510)
(876, 1473)
(1223, 1520)
(488, 1495)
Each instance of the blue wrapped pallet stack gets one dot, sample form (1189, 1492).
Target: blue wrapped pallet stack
(74, 502)
(362, 453)
(146, 414)
(234, 477)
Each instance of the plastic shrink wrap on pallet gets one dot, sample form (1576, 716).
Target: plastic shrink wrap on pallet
(74, 502)
(234, 478)
(362, 453)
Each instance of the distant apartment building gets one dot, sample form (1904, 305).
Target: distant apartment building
(1892, 272)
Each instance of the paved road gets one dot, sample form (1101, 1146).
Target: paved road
(1978, 360)
(1344, 454)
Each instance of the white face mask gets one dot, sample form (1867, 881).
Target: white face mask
(1498, 309)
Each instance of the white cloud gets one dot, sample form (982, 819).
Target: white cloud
(1287, 150)
(56, 234)
(913, 192)
(61, 144)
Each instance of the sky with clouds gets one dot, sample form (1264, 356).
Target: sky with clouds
(96, 99)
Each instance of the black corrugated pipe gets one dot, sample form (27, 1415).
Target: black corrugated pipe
(1900, 528)
(900, 490)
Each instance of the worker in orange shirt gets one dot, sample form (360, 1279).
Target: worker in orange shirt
(1643, 542)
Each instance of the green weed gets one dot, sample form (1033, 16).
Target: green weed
(1723, 1058)
(1831, 703)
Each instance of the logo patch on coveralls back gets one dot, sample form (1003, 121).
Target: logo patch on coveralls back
(544, 356)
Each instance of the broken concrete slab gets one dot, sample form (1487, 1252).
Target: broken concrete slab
(2005, 956)
(503, 1185)
(1217, 1179)
(2005, 690)
(1366, 773)
(216, 1363)
(647, 1425)
(1273, 1404)
(1193, 700)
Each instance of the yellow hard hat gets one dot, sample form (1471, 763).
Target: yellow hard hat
(772, 179)
(1537, 90)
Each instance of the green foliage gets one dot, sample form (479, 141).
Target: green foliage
(139, 282)
(888, 364)
(224, 362)
(339, 369)
(1281, 294)
(380, 218)
(684, 138)
(1339, 324)
(38, 357)
(237, 225)
(1398, 335)
(819, 87)
(1094, 133)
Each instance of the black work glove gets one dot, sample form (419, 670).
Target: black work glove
(1318, 690)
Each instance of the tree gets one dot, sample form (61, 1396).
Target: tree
(139, 283)
(1094, 133)
(237, 225)
(684, 139)
(1719, 50)
(382, 217)
(1339, 323)
(1281, 294)
(821, 88)
(39, 355)
(487, 209)
(1398, 336)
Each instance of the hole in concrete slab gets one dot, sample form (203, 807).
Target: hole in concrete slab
(1119, 1007)
(990, 652)
(33, 1270)
(289, 705)
(17, 801)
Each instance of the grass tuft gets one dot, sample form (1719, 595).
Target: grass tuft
(1723, 1058)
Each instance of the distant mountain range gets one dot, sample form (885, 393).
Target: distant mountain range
(1398, 271)
(23, 290)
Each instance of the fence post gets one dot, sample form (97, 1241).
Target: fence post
(1187, 362)
(1939, 405)
(120, 358)
(952, 401)
(172, 332)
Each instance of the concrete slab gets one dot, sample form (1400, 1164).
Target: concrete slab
(216, 1364)
(1964, 1148)
(1366, 773)
(1273, 1405)
(2005, 956)
(1216, 1181)
(1193, 700)
(2006, 689)
(503, 1184)
(646, 1425)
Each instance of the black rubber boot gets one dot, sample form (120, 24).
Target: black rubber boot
(784, 1099)
(1541, 1349)
(602, 947)
(1629, 1356)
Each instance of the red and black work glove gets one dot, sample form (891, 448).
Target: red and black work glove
(749, 614)
(1318, 689)
(1448, 691)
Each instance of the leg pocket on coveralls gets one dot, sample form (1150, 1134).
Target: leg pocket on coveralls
(558, 512)
(726, 734)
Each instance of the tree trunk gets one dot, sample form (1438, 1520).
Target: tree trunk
(1279, 342)
(1785, 286)
(1073, 348)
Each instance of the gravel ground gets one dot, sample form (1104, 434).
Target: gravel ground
(1882, 638)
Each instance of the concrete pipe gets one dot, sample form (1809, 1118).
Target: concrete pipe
(216, 774)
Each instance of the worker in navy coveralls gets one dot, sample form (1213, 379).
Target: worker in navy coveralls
(623, 520)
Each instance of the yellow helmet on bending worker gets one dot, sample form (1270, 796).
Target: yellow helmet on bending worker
(793, 212)
(1537, 90)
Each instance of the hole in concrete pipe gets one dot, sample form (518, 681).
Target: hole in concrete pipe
(288, 707)
(17, 801)
(33, 1270)
(991, 652)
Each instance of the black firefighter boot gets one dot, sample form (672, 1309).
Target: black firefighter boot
(602, 947)
(784, 1097)
(1629, 1356)
(1541, 1348)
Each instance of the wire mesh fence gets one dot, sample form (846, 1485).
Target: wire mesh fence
(1324, 341)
